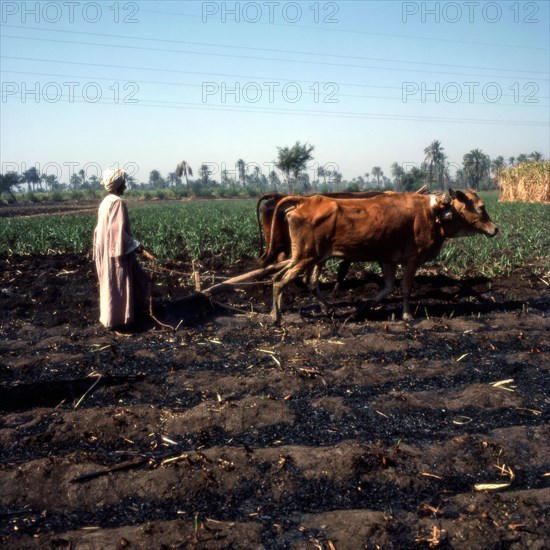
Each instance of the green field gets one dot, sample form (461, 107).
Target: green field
(227, 229)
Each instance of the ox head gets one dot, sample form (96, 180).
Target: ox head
(470, 216)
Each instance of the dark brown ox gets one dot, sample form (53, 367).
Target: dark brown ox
(401, 228)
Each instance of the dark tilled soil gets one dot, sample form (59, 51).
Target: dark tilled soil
(327, 432)
(26, 210)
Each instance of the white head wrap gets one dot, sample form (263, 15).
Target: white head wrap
(113, 179)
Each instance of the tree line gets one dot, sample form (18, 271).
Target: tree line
(477, 171)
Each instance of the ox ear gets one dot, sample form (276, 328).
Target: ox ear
(458, 195)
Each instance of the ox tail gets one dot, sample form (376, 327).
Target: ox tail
(262, 198)
(280, 236)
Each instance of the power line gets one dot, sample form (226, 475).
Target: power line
(385, 35)
(303, 112)
(322, 63)
(185, 84)
(255, 48)
(179, 71)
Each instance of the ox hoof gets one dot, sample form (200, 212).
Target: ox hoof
(407, 317)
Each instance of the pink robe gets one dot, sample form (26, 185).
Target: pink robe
(122, 282)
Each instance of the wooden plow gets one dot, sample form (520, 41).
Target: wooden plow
(243, 279)
(226, 285)
(202, 296)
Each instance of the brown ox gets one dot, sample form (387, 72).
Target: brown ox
(280, 247)
(402, 228)
(271, 202)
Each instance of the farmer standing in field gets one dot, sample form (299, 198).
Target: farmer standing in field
(123, 285)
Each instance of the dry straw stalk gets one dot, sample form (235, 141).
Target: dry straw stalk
(527, 182)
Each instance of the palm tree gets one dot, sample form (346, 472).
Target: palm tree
(442, 170)
(183, 169)
(434, 158)
(476, 166)
(31, 176)
(397, 172)
(274, 180)
(536, 156)
(225, 176)
(377, 173)
(173, 179)
(155, 179)
(522, 158)
(336, 178)
(205, 173)
(44, 179)
(511, 161)
(95, 183)
(241, 168)
(82, 175)
(74, 180)
(257, 176)
(496, 166)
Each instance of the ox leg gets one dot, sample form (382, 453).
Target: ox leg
(280, 280)
(388, 270)
(311, 277)
(409, 271)
(277, 302)
(313, 283)
(343, 270)
(278, 295)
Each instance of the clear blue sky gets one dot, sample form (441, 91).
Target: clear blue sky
(368, 83)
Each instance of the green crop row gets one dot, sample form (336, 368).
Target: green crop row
(227, 230)
(196, 230)
(46, 234)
